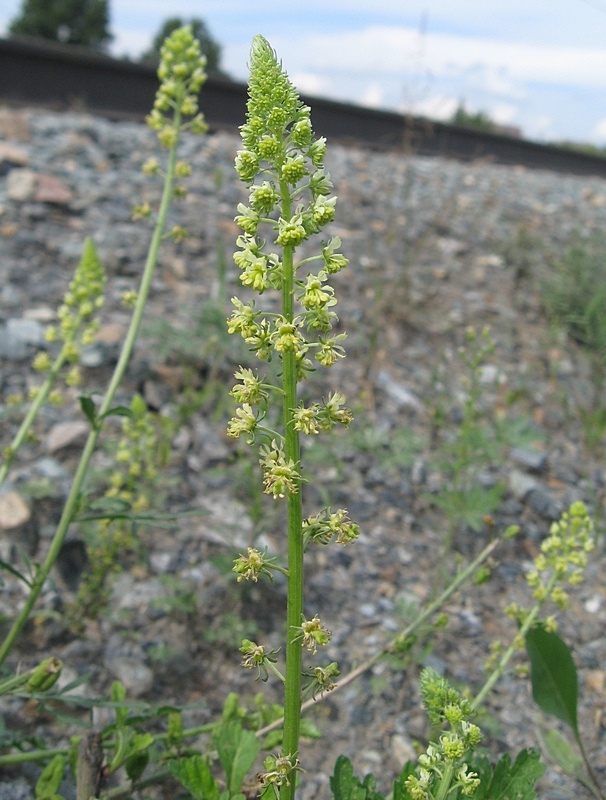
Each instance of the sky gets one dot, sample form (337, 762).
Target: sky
(538, 65)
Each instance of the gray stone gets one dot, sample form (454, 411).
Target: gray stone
(399, 393)
(15, 790)
(21, 185)
(67, 434)
(521, 484)
(534, 460)
(545, 504)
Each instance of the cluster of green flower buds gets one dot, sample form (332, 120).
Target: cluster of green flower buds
(181, 74)
(77, 322)
(563, 555)
(444, 760)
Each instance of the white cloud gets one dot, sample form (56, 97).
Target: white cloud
(373, 95)
(504, 113)
(599, 132)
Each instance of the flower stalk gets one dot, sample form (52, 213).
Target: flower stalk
(181, 72)
(282, 164)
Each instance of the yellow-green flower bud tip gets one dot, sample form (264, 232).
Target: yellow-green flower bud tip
(45, 675)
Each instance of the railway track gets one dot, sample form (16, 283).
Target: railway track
(49, 75)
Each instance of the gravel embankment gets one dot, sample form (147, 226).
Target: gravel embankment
(435, 247)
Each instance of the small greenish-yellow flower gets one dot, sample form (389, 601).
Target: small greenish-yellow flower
(280, 477)
(55, 398)
(452, 745)
(151, 167)
(322, 679)
(14, 399)
(141, 211)
(279, 770)
(264, 198)
(305, 419)
(247, 219)
(255, 656)
(334, 413)
(467, 781)
(333, 262)
(291, 232)
(325, 526)
(330, 350)
(418, 787)
(42, 362)
(73, 377)
(51, 333)
(313, 634)
(250, 390)
(315, 294)
(244, 421)
(182, 169)
(261, 340)
(178, 233)
(249, 567)
(287, 337)
(129, 298)
(243, 319)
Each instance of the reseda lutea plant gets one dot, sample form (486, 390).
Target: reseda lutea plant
(283, 165)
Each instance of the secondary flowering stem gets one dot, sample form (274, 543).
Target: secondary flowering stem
(184, 86)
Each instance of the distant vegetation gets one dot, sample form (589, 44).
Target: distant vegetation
(82, 22)
(469, 119)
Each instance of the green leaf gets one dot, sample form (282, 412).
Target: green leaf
(15, 572)
(515, 781)
(136, 764)
(345, 786)
(194, 773)
(237, 751)
(118, 411)
(49, 782)
(555, 685)
(89, 409)
(559, 750)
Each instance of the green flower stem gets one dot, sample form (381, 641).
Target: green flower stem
(294, 609)
(506, 657)
(32, 413)
(71, 504)
(431, 609)
(445, 781)
(12, 759)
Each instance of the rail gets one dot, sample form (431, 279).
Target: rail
(33, 72)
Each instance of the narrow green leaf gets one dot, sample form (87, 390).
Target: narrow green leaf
(118, 411)
(194, 773)
(559, 750)
(554, 679)
(15, 572)
(89, 409)
(237, 751)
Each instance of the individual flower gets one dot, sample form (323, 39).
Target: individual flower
(280, 477)
(245, 421)
(254, 656)
(313, 634)
(322, 679)
(250, 390)
(279, 772)
(250, 566)
(326, 526)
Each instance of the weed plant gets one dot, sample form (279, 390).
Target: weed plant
(146, 746)
(574, 298)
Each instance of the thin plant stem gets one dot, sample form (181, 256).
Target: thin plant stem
(427, 612)
(294, 608)
(31, 415)
(507, 655)
(73, 498)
